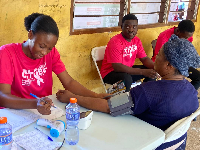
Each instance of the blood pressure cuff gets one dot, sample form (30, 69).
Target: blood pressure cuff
(121, 104)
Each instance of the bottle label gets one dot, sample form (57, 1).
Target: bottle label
(72, 116)
(5, 140)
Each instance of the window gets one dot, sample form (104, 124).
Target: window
(184, 9)
(94, 16)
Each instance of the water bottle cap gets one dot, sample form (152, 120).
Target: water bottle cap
(3, 120)
(73, 100)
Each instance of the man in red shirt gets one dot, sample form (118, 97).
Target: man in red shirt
(120, 55)
(185, 30)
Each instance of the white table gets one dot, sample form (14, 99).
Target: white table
(110, 133)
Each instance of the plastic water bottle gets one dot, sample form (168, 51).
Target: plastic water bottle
(72, 118)
(5, 134)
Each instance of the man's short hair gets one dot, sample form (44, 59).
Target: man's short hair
(186, 26)
(129, 17)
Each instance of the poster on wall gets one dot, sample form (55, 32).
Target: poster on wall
(97, 9)
(97, 1)
(178, 11)
(145, 7)
(145, 0)
(95, 22)
(147, 18)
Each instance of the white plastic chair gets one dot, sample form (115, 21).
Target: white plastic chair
(97, 56)
(179, 128)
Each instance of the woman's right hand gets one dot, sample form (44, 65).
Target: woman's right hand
(44, 106)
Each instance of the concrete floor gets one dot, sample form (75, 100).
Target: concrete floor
(193, 141)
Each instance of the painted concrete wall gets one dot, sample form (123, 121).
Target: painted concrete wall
(74, 49)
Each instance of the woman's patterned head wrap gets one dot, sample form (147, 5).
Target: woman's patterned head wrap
(181, 54)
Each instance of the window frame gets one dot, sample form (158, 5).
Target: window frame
(124, 3)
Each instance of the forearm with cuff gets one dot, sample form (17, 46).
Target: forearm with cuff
(121, 104)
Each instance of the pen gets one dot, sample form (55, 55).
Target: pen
(49, 138)
(40, 99)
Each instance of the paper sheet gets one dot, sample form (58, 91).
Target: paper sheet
(15, 146)
(145, 7)
(55, 113)
(35, 140)
(18, 118)
(21, 118)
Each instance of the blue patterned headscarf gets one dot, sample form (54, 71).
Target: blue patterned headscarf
(181, 54)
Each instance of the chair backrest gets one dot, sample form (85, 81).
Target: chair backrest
(98, 53)
(97, 56)
(180, 127)
(153, 45)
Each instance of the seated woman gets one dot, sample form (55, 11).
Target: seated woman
(162, 102)
(27, 68)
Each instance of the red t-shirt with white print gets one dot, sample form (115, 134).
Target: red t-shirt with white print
(162, 39)
(119, 50)
(26, 75)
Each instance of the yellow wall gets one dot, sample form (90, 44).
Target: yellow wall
(74, 49)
